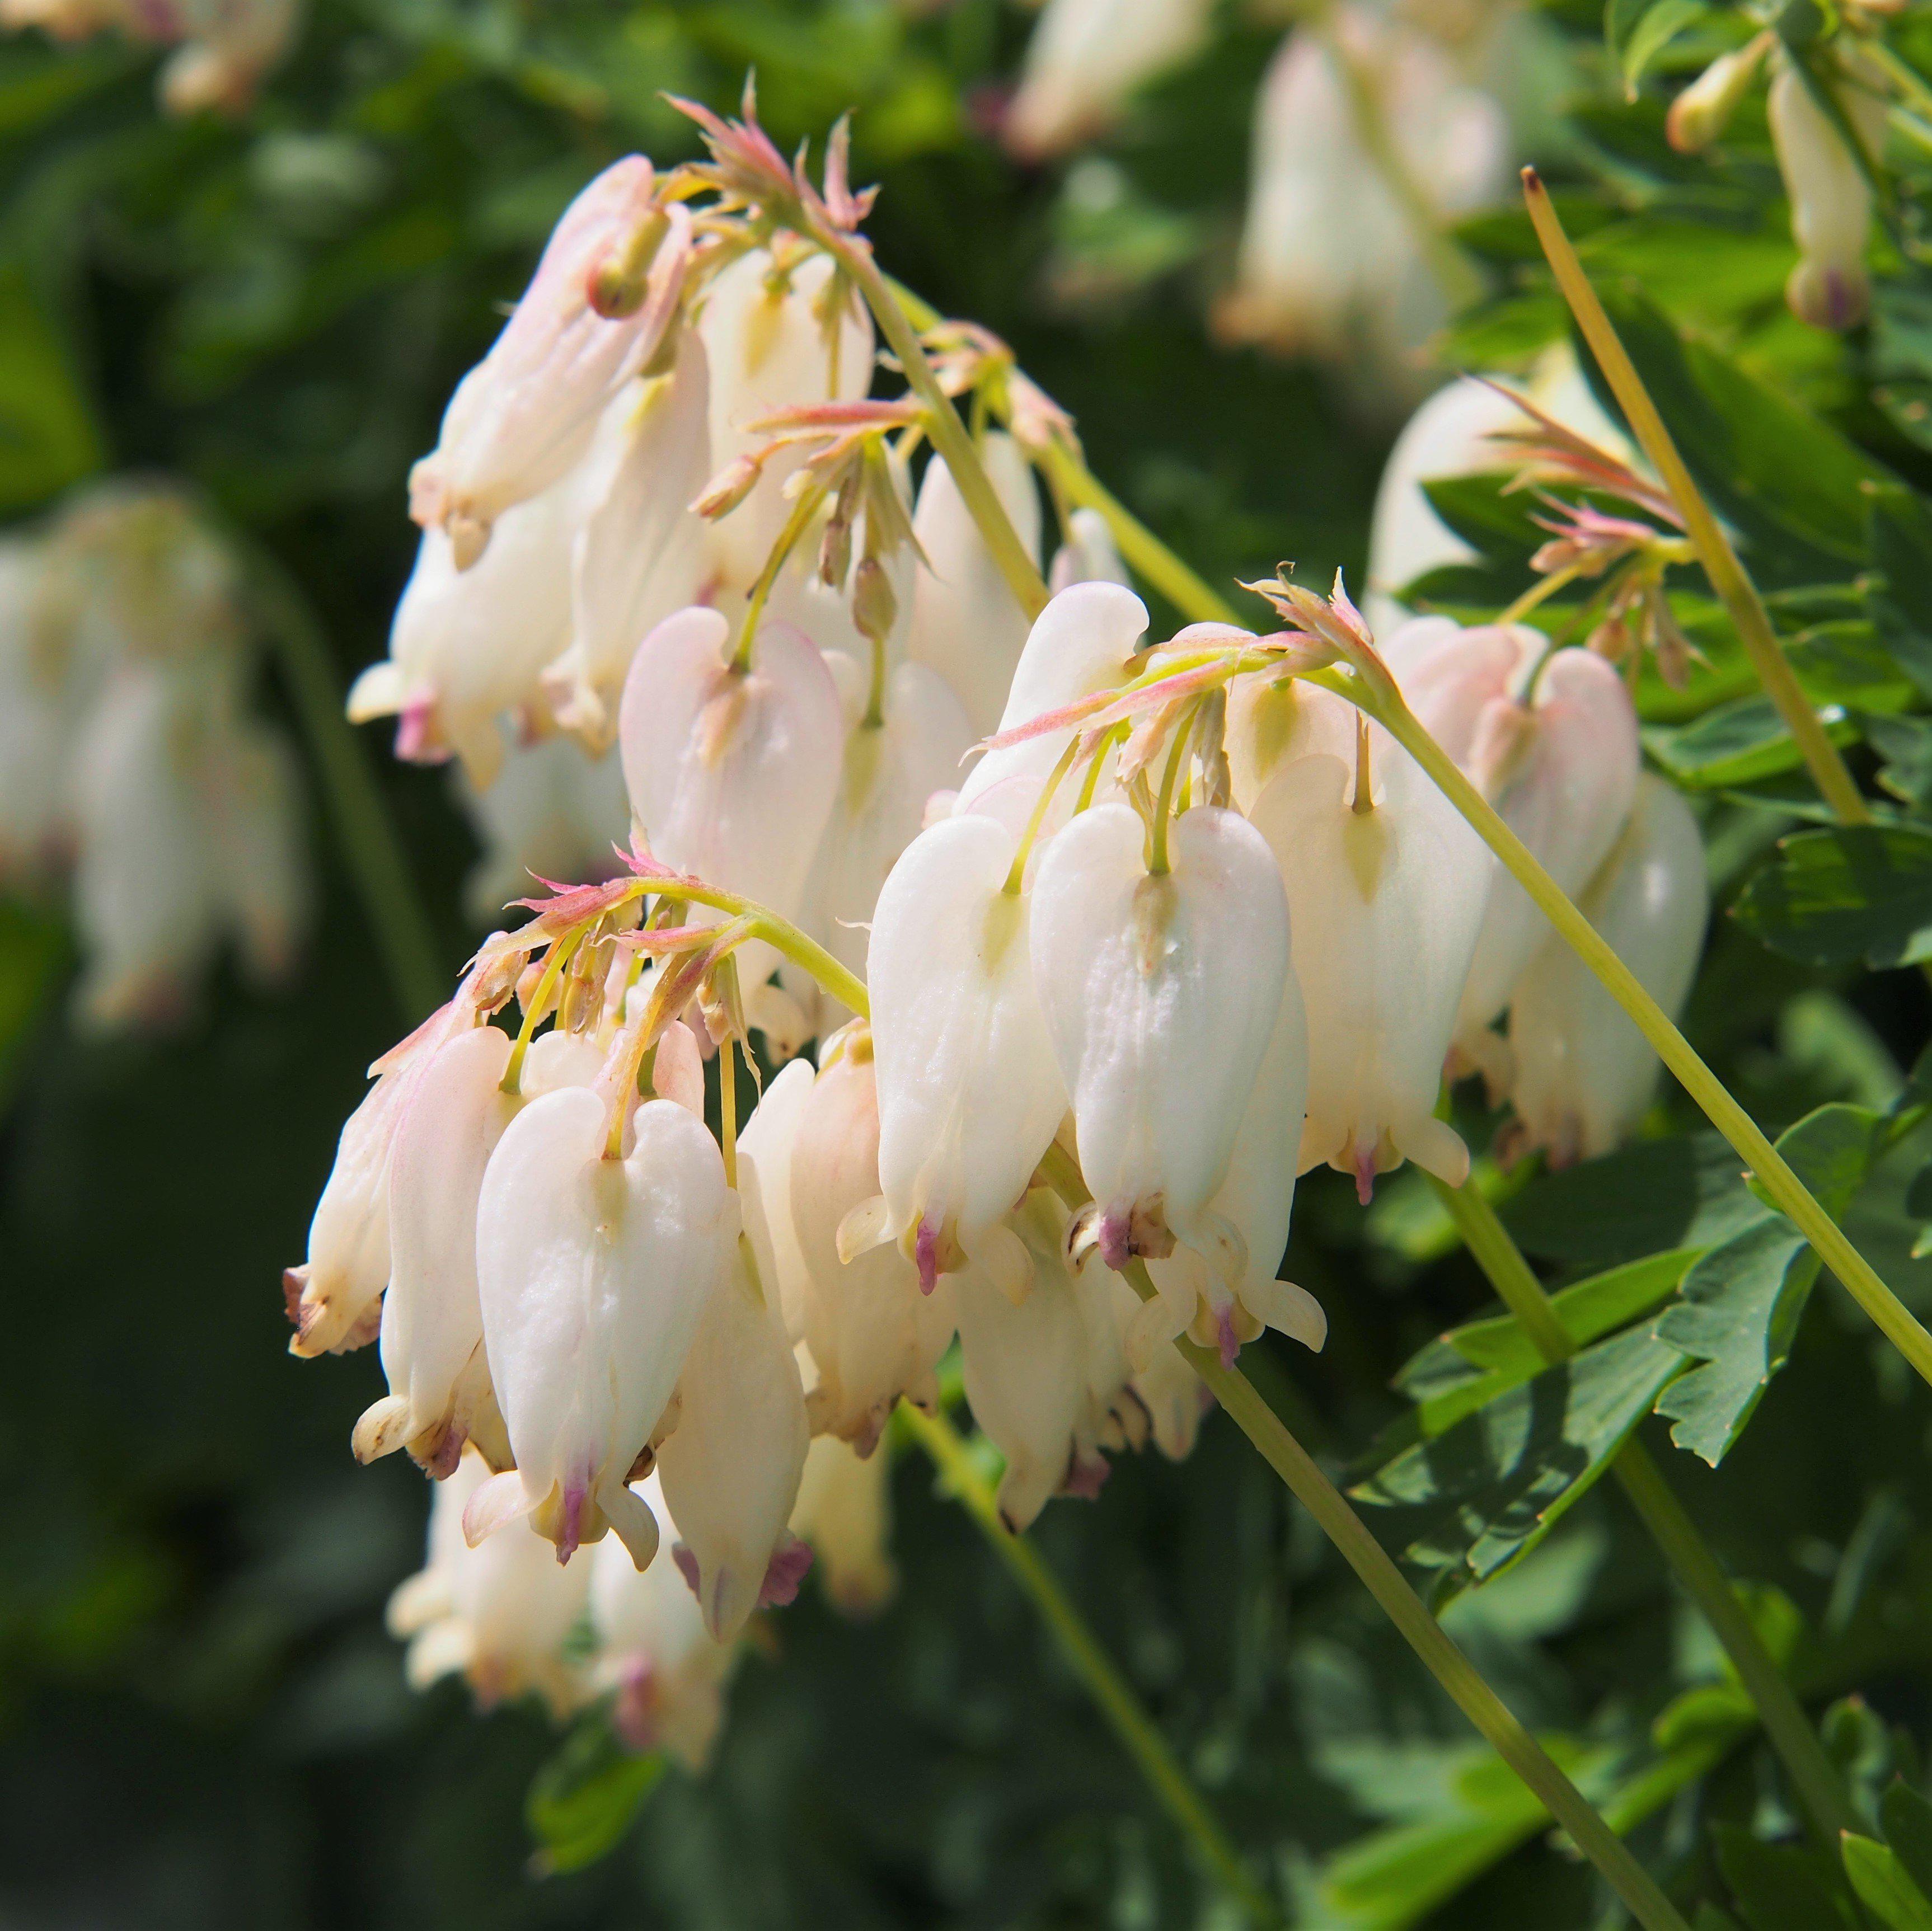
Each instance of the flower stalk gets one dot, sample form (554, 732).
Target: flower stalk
(1111, 1692)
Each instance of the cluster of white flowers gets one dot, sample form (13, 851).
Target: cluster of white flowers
(1375, 127)
(1190, 926)
(222, 48)
(129, 757)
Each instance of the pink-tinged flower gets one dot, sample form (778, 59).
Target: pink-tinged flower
(1086, 60)
(1332, 262)
(637, 551)
(432, 1331)
(1272, 721)
(1830, 190)
(969, 1093)
(732, 771)
(777, 334)
(1584, 1074)
(1081, 643)
(593, 1276)
(501, 1614)
(520, 420)
(1387, 903)
(1088, 555)
(966, 624)
(654, 1651)
(1560, 767)
(730, 1466)
(873, 1334)
(1257, 1199)
(1161, 992)
(844, 1510)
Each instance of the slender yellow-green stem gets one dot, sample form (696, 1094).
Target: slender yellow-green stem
(796, 525)
(1090, 1663)
(1727, 576)
(948, 434)
(1384, 703)
(365, 835)
(512, 1080)
(1669, 1522)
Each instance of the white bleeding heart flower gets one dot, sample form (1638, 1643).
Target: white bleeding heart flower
(1273, 721)
(1330, 261)
(1449, 435)
(1829, 187)
(732, 772)
(501, 1614)
(654, 1651)
(893, 767)
(1089, 555)
(1584, 1074)
(765, 1145)
(1172, 1395)
(553, 813)
(637, 553)
(969, 1092)
(229, 47)
(1161, 992)
(1387, 904)
(1082, 643)
(332, 1297)
(844, 1510)
(1560, 768)
(1257, 1199)
(1087, 58)
(593, 1276)
(872, 1334)
(466, 646)
(966, 624)
(520, 419)
(778, 336)
(432, 1331)
(251, 796)
(730, 1466)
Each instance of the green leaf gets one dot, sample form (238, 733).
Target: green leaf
(33, 949)
(586, 1797)
(1488, 1489)
(1831, 897)
(1783, 1887)
(1791, 485)
(1883, 1884)
(48, 439)
(1657, 27)
(1907, 1819)
(1737, 743)
(1899, 596)
(1901, 355)
(1742, 1303)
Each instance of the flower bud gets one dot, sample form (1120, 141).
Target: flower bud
(1702, 111)
(844, 1510)
(523, 415)
(594, 1275)
(969, 1094)
(1161, 992)
(653, 1649)
(1830, 193)
(966, 624)
(501, 1614)
(1584, 1073)
(1387, 903)
(730, 1468)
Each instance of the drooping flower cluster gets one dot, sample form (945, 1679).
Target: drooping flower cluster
(1190, 926)
(130, 760)
(222, 48)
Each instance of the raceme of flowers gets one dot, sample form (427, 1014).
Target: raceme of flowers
(129, 761)
(1189, 926)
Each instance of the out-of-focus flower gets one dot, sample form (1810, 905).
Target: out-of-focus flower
(223, 48)
(1085, 60)
(653, 1650)
(553, 813)
(844, 1510)
(1829, 186)
(1089, 555)
(1336, 257)
(501, 1613)
(1584, 1073)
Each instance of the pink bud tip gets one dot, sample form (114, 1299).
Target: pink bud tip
(1365, 1176)
(926, 1253)
(1224, 1330)
(784, 1573)
(685, 1557)
(570, 1522)
(1115, 1242)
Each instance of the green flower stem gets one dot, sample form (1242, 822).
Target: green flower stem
(1090, 1663)
(1689, 1556)
(1384, 703)
(1450, 1667)
(367, 840)
(1727, 576)
(948, 434)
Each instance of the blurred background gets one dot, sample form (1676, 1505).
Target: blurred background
(202, 1721)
